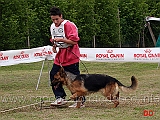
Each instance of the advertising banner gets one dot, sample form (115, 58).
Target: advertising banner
(13, 57)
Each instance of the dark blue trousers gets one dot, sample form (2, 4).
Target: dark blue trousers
(59, 91)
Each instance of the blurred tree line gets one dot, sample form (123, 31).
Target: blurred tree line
(101, 23)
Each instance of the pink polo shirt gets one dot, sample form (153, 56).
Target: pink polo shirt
(70, 55)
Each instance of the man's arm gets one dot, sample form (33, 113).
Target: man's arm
(65, 40)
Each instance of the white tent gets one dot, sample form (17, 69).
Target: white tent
(152, 35)
(152, 18)
(148, 19)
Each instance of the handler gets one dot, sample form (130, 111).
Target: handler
(65, 36)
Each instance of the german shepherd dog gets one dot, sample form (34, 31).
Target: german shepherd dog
(84, 84)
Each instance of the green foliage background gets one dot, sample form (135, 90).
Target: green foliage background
(113, 23)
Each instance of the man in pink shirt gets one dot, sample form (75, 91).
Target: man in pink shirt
(65, 36)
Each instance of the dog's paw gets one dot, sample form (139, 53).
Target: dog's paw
(72, 97)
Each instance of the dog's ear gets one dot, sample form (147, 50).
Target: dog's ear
(62, 72)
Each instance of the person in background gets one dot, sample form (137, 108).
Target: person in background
(64, 36)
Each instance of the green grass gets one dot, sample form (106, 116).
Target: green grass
(18, 88)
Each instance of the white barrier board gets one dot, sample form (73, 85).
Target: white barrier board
(12, 57)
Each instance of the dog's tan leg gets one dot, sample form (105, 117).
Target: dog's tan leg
(116, 100)
(74, 96)
(113, 99)
(79, 102)
(77, 94)
(112, 93)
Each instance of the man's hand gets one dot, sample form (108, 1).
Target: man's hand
(51, 40)
(54, 48)
(58, 40)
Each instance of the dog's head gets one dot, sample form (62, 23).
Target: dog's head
(60, 76)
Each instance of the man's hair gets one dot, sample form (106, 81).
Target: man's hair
(55, 11)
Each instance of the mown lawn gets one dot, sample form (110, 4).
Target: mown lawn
(18, 89)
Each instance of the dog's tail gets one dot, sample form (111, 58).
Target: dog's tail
(129, 89)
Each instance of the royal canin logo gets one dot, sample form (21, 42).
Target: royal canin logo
(22, 52)
(43, 53)
(83, 55)
(147, 54)
(109, 55)
(147, 51)
(1, 53)
(109, 51)
(3, 58)
(22, 55)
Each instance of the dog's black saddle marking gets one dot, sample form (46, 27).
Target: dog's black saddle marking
(95, 82)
